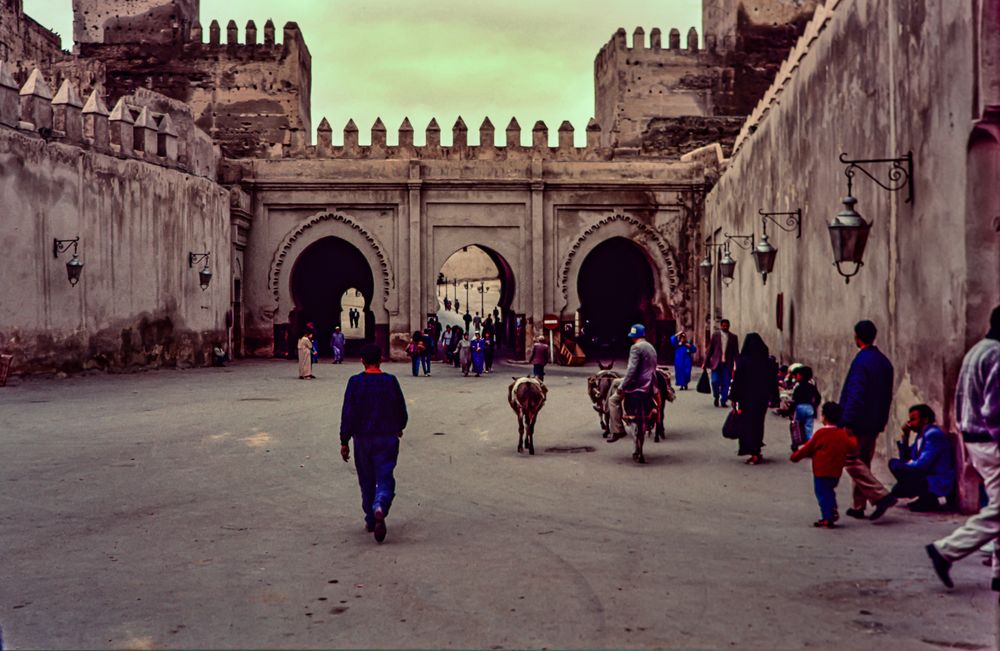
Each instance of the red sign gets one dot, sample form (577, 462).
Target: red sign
(550, 322)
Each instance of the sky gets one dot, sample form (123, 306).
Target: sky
(531, 59)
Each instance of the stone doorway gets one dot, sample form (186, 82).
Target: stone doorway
(616, 288)
(329, 278)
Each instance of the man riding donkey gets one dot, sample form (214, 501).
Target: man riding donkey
(638, 386)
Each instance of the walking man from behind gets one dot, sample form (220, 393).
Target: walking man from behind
(640, 374)
(865, 399)
(374, 415)
(977, 407)
(720, 359)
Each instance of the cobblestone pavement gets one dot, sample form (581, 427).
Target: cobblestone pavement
(209, 508)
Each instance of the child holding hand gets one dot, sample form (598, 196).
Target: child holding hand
(829, 448)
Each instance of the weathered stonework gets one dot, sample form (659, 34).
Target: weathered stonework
(931, 270)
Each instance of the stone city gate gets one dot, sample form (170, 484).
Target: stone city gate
(390, 224)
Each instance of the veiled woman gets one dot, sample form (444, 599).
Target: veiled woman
(755, 385)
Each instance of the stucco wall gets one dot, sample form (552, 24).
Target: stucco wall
(138, 303)
(880, 78)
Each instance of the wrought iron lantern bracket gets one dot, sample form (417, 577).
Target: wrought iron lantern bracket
(792, 221)
(899, 175)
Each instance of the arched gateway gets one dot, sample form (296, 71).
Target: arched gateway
(315, 264)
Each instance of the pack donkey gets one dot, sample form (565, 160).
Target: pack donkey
(598, 388)
(526, 396)
(644, 417)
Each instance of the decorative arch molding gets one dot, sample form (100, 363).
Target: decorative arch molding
(317, 227)
(659, 250)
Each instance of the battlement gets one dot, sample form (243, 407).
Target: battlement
(512, 148)
(261, 43)
(617, 50)
(129, 130)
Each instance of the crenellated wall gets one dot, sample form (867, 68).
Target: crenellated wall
(931, 270)
(490, 147)
(245, 95)
(133, 21)
(666, 97)
(25, 44)
(114, 179)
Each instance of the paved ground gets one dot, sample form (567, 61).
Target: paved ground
(209, 508)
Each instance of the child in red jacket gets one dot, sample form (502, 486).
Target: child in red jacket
(829, 447)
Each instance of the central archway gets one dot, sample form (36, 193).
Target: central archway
(483, 283)
(616, 287)
(320, 277)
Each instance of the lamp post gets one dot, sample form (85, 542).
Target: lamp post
(74, 267)
(764, 254)
(483, 289)
(849, 230)
(466, 296)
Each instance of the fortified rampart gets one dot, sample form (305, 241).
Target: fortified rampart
(113, 179)
(133, 21)
(932, 267)
(24, 44)
(246, 96)
(666, 98)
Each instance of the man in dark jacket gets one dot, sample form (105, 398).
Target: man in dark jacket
(374, 415)
(866, 399)
(720, 359)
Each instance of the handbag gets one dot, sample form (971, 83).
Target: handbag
(730, 429)
(798, 436)
(704, 384)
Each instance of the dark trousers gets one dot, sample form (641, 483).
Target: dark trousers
(721, 378)
(375, 459)
(425, 361)
(538, 370)
(826, 495)
(910, 483)
(415, 360)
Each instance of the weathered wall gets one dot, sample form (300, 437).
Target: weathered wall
(669, 96)
(133, 21)
(138, 303)
(24, 43)
(249, 97)
(921, 272)
(407, 216)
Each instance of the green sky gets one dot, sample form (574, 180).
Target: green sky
(532, 59)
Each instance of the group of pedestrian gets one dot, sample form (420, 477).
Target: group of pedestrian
(925, 469)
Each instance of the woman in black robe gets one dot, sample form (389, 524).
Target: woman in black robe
(755, 386)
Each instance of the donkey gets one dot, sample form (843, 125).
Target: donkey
(598, 388)
(526, 396)
(644, 417)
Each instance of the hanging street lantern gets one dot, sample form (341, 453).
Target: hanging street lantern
(849, 230)
(764, 256)
(706, 267)
(205, 274)
(74, 267)
(849, 236)
(727, 267)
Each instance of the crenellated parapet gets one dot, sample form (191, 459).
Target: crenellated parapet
(247, 88)
(129, 130)
(619, 51)
(459, 149)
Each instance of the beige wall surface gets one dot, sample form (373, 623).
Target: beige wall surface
(882, 78)
(138, 303)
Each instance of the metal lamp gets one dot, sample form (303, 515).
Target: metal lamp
(849, 236)
(763, 256)
(205, 274)
(74, 267)
(727, 267)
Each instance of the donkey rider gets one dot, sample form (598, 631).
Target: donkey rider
(637, 383)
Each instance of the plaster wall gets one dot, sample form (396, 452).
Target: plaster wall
(138, 304)
(133, 21)
(24, 43)
(408, 216)
(915, 282)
